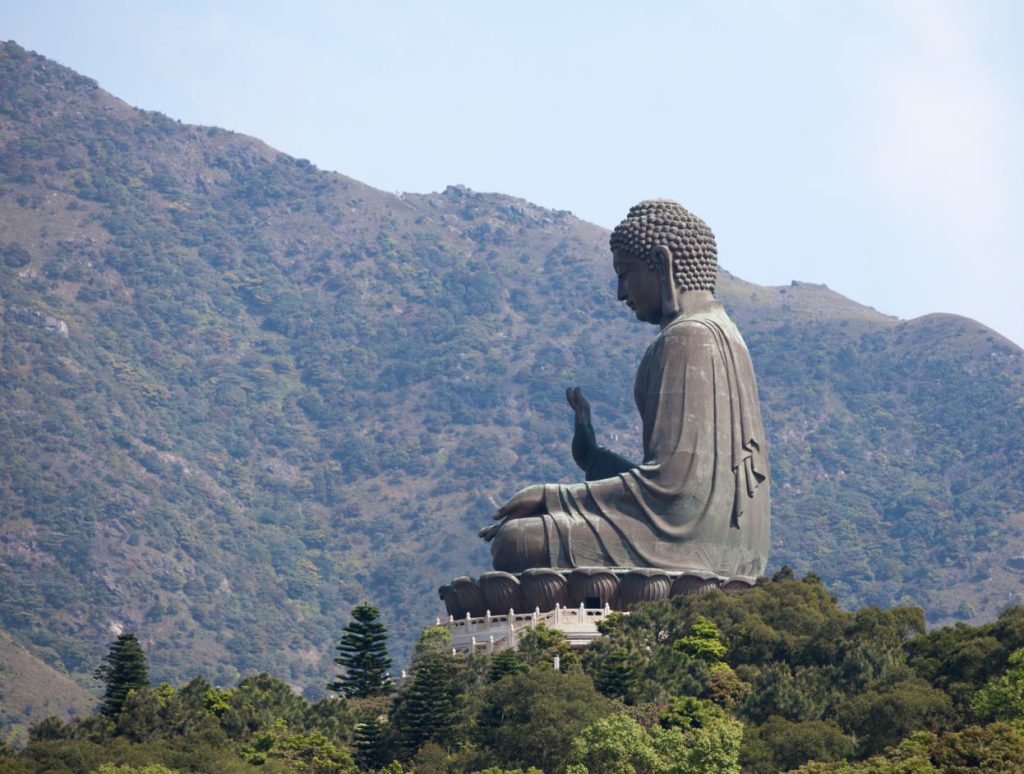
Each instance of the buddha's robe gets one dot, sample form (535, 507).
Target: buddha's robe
(700, 499)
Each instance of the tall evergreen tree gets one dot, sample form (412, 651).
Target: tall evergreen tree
(370, 744)
(363, 652)
(505, 663)
(427, 712)
(123, 670)
(616, 677)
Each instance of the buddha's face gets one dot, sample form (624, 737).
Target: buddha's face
(639, 286)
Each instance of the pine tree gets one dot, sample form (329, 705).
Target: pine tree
(369, 744)
(427, 712)
(123, 670)
(616, 677)
(363, 652)
(505, 663)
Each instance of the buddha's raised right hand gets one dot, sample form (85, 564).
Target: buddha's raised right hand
(584, 440)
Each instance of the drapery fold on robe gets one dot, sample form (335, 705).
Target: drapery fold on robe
(700, 499)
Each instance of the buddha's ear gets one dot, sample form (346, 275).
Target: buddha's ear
(662, 257)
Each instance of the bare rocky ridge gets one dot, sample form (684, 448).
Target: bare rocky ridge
(278, 392)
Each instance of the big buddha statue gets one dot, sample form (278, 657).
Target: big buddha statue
(698, 501)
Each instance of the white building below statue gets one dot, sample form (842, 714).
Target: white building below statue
(495, 633)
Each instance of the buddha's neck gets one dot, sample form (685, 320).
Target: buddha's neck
(689, 302)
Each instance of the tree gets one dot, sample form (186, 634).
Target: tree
(539, 646)
(704, 642)
(312, 752)
(686, 712)
(711, 749)
(427, 712)
(616, 676)
(531, 718)
(363, 653)
(695, 737)
(616, 744)
(880, 719)
(123, 670)
(507, 662)
(698, 737)
(368, 743)
(50, 728)
(997, 747)
(795, 693)
(258, 703)
(434, 639)
(781, 745)
(725, 688)
(1002, 698)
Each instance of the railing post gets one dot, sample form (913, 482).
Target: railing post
(558, 614)
(536, 615)
(472, 646)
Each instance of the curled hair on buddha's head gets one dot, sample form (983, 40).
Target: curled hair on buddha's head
(662, 222)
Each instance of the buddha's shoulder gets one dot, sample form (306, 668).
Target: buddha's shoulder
(692, 326)
(710, 331)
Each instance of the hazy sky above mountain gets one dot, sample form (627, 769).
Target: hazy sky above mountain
(877, 147)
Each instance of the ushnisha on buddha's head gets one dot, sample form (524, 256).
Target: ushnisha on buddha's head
(660, 251)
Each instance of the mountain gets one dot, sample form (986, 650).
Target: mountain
(31, 690)
(241, 394)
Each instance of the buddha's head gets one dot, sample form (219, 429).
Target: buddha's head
(675, 247)
(664, 223)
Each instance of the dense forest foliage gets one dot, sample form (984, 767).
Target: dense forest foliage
(238, 395)
(778, 678)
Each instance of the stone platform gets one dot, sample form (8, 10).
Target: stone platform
(543, 590)
(572, 601)
(495, 633)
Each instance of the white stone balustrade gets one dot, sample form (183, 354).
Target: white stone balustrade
(495, 633)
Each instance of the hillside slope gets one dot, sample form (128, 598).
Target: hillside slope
(31, 690)
(240, 395)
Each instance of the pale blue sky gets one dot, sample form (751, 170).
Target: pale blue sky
(877, 147)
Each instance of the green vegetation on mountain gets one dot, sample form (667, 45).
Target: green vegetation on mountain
(31, 690)
(778, 678)
(239, 395)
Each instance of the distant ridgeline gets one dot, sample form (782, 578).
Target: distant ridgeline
(239, 395)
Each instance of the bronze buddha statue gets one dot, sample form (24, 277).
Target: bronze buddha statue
(699, 500)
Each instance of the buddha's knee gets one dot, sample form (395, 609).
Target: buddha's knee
(520, 544)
